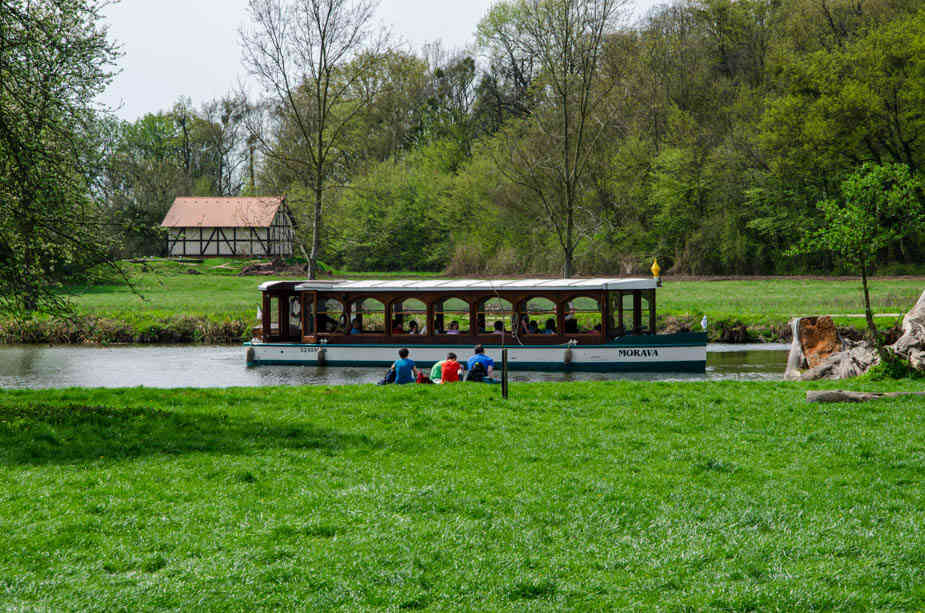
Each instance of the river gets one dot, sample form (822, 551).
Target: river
(39, 366)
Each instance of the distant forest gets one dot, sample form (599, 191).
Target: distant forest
(703, 135)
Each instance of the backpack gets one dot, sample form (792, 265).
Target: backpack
(476, 373)
(388, 378)
(422, 378)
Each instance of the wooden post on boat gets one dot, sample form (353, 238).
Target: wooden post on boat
(504, 387)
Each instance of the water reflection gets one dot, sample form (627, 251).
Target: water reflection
(197, 366)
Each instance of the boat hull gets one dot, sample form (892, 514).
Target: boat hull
(617, 357)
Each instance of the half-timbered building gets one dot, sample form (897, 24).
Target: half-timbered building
(229, 227)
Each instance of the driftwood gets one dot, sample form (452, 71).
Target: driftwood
(846, 396)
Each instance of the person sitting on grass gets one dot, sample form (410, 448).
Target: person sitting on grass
(450, 369)
(479, 365)
(405, 370)
(436, 370)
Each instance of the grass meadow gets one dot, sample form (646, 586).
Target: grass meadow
(727, 496)
(166, 289)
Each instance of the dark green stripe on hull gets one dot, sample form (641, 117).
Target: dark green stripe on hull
(688, 366)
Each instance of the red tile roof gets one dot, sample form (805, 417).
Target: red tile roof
(222, 212)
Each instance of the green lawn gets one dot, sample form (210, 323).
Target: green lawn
(778, 300)
(218, 294)
(592, 496)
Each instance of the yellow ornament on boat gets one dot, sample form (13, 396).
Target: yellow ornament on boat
(655, 268)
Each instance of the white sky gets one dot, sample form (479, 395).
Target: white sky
(190, 48)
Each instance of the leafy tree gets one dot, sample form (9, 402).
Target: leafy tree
(548, 152)
(54, 60)
(879, 205)
(504, 90)
(310, 58)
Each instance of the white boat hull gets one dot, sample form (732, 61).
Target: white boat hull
(615, 357)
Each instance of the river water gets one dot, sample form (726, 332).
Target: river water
(32, 366)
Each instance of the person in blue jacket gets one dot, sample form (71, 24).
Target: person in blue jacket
(405, 370)
(486, 363)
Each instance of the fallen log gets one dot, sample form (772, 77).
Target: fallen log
(846, 396)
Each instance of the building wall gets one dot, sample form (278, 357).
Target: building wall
(260, 242)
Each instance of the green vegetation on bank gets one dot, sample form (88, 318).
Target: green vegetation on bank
(596, 496)
(208, 302)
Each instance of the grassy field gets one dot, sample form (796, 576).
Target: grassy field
(168, 290)
(591, 496)
(220, 306)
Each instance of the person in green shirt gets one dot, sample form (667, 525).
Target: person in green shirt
(436, 371)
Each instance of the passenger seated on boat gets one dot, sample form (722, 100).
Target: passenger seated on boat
(413, 327)
(597, 329)
(499, 327)
(405, 370)
(454, 328)
(479, 357)
(524, 327)
(571, 320)
(397, 327)
(550, 326)
(532, 328)
(355, 326)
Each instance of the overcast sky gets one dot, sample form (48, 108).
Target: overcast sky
(190, 48)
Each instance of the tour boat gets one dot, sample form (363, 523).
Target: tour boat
(545, 324)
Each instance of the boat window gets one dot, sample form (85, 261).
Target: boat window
(295, 316)
(274, 315)
(370, 314)
(539, 316)
(583, 316)
(409, 316)
(451, 316)
(622, 325)
(495, 314)
(331, 316)
(644, 321)
(309, 316)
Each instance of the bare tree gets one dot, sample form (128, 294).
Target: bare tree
(222, 129)
(309, 57)
(548, 153)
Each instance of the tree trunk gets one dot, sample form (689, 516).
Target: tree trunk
(316, 233)
(251, 165)
(871, 326)
(568, 267)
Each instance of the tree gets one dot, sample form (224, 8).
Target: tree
(504, 90)
(548, 152)
(309, 56)
(54, 61)
(880, 205)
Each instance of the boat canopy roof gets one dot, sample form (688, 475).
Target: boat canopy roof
(455, 285)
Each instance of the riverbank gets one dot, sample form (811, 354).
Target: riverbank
(208, 302)
(727, 496)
